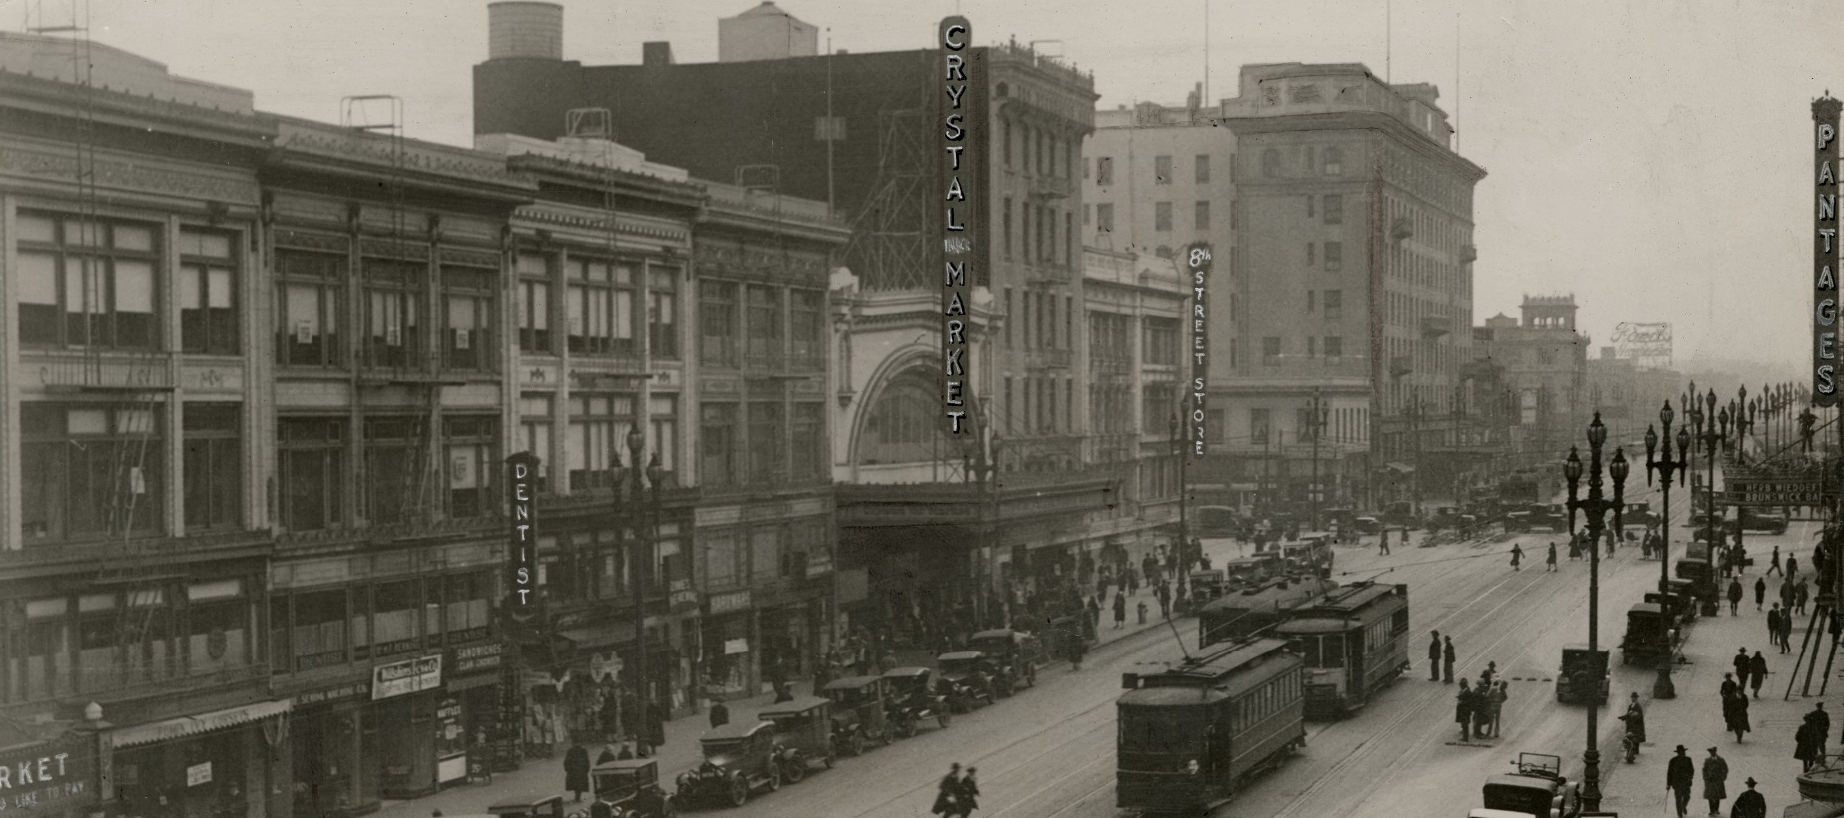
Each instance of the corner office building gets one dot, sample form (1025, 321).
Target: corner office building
(260, 375)
(920, 534)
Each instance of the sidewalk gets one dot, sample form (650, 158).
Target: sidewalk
(1694, 719)
(543, 776)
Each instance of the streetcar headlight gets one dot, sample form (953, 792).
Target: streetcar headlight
(1191, 767)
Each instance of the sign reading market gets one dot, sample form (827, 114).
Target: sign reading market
(960, 111)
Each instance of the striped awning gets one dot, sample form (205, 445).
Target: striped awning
(202, 723)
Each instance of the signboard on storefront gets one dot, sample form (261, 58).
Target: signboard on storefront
(735, 646)
(407, 676)
(331, 694)
(522, 548)
(729, 603)
(198, 774)
(47, 777)
(819, 562)
(683, 596)
(475, 658)
(1786, 492)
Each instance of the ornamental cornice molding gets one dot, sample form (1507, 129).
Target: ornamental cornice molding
(123, 175)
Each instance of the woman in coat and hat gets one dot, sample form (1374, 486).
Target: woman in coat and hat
(947, 793)
(576, 770)
(969, 793)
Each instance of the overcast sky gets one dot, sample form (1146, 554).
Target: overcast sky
(1649, 156)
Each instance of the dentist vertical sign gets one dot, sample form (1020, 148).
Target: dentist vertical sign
(522, 601)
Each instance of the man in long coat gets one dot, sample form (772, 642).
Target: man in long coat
(1735, 595)
(1679, 775)
(1715, 777)
(576, 770)
(1749, 804)
(947, 800)
(1434, 658)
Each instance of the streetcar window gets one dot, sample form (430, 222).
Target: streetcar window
(1331, 651)
(1153, 731)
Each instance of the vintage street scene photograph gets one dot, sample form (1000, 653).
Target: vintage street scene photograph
(929, 409)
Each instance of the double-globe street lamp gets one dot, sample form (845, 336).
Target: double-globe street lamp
(1665, 467)
(1595, 507)
(1713, 429)
(640, 518)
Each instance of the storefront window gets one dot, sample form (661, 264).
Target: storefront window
(467, 602)
(204, 775)
(219, 637)
(395, 608)
(320, 629)
(326, 760)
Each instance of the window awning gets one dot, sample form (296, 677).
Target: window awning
(619, 633)
(203, 723)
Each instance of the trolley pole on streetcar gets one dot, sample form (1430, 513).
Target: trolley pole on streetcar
(1595, 507)
(1666, 467)
(1315, 421)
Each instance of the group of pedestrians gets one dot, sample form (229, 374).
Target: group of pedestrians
(1678, 779)
(1477, 709)
(959, 793)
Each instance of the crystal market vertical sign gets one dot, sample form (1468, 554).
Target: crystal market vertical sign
(961, 119)
(1197, 263)
(522, 601)
(1825, 254)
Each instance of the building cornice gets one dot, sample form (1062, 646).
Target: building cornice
(1387, 124)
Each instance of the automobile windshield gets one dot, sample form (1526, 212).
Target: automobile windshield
(1158, 730)
(723, 748)
(959, 665)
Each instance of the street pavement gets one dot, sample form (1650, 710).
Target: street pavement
(1049, 751)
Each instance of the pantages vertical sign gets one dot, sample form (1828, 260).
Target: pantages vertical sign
(1197, 265)
(522, 471)
(1825, 253)
(960, 120)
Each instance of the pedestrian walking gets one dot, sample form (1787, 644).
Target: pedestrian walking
(1735, 715)
(1773, 563)
(1636, 717)
(1760, 591)
(1447, 659)
(1773, 624)
(1517, 555)
(1077, 646)
(1464, 702)
(1679, 775)
(1120, 610)
(1792, 567)
(1786, 594)
(1434, 657)
(1804, 744)
(1750, 804)
(969, 792)
(1800, 594)
(1735, 595)
(1785, 636)
(576, 771)
(1741, 668)
(1550, 563)
(1383, 544)
(1729, 686)
(1715, 776)
(947, 793)
(1757, 672)
(1495, 698)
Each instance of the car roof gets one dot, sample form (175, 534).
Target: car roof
(1645, 607)
(526, 801)
(907, 671)
(852, 682)
(624, 765)
(1583, 648)
(736, 730)
(800, 704)
(960, 654)
(1000, 634)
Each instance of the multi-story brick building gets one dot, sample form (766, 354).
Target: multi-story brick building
(1545, 362)
(261, 378)
(920, 532)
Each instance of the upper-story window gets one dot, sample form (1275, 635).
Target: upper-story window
(208, 293)
(94, 471)
(764, 326)
(86, 283)
(1104, 170)
(717, 323)
(312, 472)
(601, 307)
(311, 289)
(1334, 160)
(534, 303)
(1203, 168)
(663, 312)
(807, 328)
(393, 313)
(468, 293)
(1162, 170)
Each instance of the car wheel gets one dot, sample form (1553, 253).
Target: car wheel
(884, 737)
(857, 744)
(1030, 675)
(831, 756)
(795, 769)
(944, 718)
(739, 790)
(905, 728)
(774, 777)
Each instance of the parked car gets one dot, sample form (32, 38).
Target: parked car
(1537, 788)
(1763, 522)
(914, 696)
(1016, 655)
(968, 677)
(1577, 680)
(859, 712)
(1650, 634)
(803, 728)
(532, 806)
(738, 757)
(628, 789)
(1367, 524)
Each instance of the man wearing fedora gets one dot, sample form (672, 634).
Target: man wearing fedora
(1749, 804)
(1680, 774)
(1715, 776)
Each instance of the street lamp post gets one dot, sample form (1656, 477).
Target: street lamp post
(1316, 414)
(1713, 430)
(640, 555)
(1185, 557)
(1596, 508)
(983, 467)
(1665, 467)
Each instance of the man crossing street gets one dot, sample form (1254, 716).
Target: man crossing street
(1434, 657)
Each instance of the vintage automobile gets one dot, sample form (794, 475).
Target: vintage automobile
(1366, 524)
(532, 806)
(1703, 583)
(628, 789)
(1651, 635)
(1576, 681)
(914, 696)
(737, 758)
(1016, 655)
(1763, 522)
(1207, 585)
(1537, 788)
(969, 677)
(1638, 514)
(1679, 604)
(858, 715)
(803, 728)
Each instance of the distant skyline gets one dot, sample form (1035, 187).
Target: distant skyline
(1648, 156)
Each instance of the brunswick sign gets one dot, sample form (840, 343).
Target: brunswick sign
(1769, 492)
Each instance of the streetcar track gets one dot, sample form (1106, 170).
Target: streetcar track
(1058, 780)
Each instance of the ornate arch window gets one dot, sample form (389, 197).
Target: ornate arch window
(905, 422)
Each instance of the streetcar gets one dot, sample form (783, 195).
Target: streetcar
(1242, 612)
(1188, 737)
(1353, 641)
